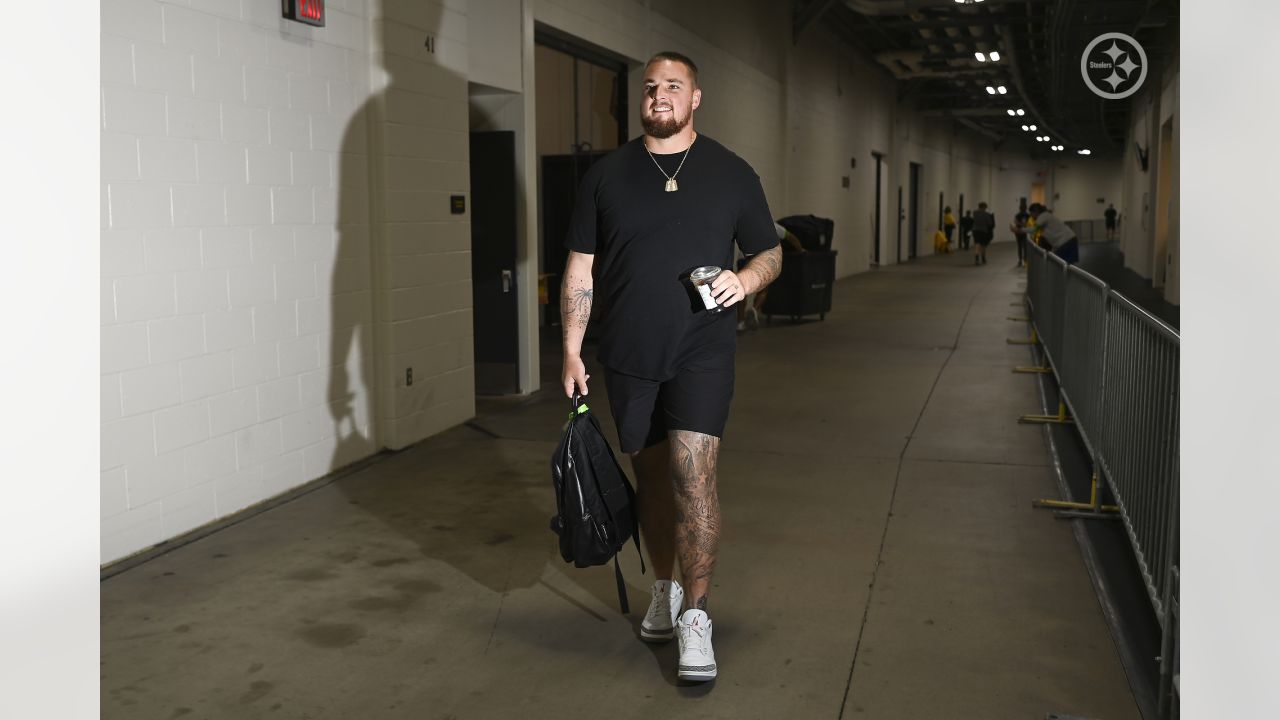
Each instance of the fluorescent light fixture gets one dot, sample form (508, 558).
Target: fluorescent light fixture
(1021, 111)
(1024, 127)
(1033, 127)
(1084, 151)
(991, 90)
(981, 57)
(995, 56)
(1001, 90)
(1011, 113)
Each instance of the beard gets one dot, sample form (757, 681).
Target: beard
(664, 128)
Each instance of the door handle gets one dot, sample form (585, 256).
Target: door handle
(506, 281)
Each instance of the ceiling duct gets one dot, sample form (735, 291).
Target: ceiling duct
(889, 8)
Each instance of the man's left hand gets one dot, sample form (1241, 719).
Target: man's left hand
(727, 288)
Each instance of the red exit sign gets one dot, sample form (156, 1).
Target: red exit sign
(310, 12)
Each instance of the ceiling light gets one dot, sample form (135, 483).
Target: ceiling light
(991, 90)
(1011, 113)
(1024, 127)
(1033, 127)
(1021, 111)
(981, 57)
(1001, 90)
(1084, 151)
(995, 56)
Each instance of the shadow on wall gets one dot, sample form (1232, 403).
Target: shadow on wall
(479, 504)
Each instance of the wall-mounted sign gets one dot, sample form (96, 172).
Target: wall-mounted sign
(310, 12)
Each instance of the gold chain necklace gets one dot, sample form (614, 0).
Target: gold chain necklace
(671, 185)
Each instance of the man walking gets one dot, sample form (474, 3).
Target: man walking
(984, 227)
(1110, 218)
(647, 215)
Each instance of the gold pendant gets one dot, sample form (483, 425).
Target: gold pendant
(671, 185)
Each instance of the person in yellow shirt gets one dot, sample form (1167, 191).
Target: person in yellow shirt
(948, 223)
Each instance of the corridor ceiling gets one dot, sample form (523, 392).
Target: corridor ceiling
(930, 46)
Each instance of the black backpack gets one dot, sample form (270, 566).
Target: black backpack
(595, 504)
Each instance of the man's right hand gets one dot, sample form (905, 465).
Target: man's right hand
(574, 373)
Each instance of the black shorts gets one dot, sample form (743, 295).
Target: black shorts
(696, 399)
(983, 239)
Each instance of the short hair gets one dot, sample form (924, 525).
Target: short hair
(674, 56)
(982, 206)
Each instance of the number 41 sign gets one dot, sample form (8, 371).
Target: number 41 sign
(310, 12)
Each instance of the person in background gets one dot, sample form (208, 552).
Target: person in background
(966, 229)
(948, 223)
(749, 313)
(984, 227)
(1110, 217)
(1019, 228)
(1055, 234)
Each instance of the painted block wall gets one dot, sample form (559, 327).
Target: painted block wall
(242, 277)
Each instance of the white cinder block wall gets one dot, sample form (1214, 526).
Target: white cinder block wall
(245, 271)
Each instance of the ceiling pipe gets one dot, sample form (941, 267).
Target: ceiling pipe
(1007, 38)
(885, 8)
(895, 60)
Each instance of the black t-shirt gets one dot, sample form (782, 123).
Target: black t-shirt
(1021, 218)
(1110, 215)
(647, 241)
(983, 222)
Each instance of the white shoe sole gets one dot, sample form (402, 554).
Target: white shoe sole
(702, 673)
(655, 636)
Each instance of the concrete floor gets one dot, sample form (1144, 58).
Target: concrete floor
(880, 556)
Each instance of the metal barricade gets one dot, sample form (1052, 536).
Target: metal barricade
(1053, 280)
(1117, 368)
(1083, 352)
(1139, 448)
(1088, 231)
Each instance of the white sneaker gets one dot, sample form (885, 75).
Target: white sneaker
(697, 659)
(659, 622)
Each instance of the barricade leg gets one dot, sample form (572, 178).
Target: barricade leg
(1060, 419)
(1092, 510)
(1033, 340)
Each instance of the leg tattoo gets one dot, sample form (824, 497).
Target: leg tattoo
(697, 510)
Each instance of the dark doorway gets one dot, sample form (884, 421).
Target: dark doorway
(493, 262)
(913, 211)
(582, 115)
(875, 258)
(901, 216)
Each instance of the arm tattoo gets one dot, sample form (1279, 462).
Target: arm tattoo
(575, 305)
(764, 268)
